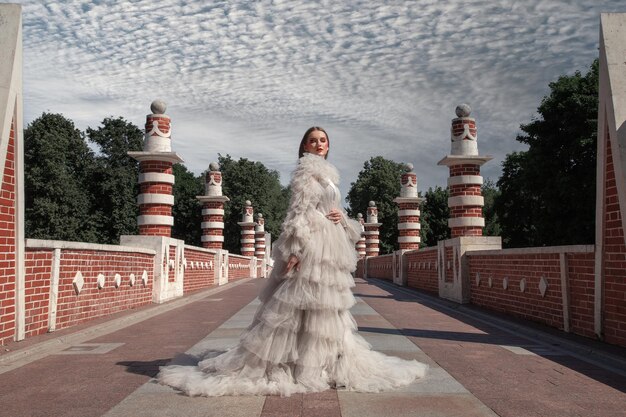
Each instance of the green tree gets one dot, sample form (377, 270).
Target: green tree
(490, 193)
(378, 181)
(57, 169)
(249, 180)
(187, 210)
(435, 214)
(114, 178)
(548, 192)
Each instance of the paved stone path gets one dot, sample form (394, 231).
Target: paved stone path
(480, 365)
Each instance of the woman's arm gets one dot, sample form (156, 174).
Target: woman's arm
(353, 228)
(292, 262)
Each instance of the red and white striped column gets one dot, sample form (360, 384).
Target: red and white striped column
(465, 200)
(372, 241)
(213, 209)
(360, 244)
(408, 213)
(156, 177)
(247, 230)
(259, 237)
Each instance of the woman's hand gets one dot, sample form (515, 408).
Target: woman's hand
(292, 262)
(335, 216)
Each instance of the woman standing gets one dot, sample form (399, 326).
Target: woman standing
(303, 337)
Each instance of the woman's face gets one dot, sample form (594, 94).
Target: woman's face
(316, 143)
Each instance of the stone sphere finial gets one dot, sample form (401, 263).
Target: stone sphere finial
(463, 110)
(359, 216)
(372, 204)
(158, 107)
(248, 203)
(214, 166)
(408, 167)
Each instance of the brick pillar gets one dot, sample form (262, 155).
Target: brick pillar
(610, 242)
(464, 184)
(213, 209)
(371, 233)
(247, 230)
(360, 244)
(156, 177)
(259, 237)
(408, 213)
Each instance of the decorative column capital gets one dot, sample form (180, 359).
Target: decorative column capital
(372, 213)
(248, 213)
(464, 140)
(157, 143)
(260, 223)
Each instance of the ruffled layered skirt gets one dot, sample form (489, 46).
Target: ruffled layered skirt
(303, 337)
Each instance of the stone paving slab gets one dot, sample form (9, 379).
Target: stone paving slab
(428, 394)
(408, 404)
(155, 400)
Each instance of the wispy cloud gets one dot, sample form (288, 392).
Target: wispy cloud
(247, 78)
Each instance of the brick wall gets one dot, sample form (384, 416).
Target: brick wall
(92, 301)
(238, 267)
(359, 268)
(92, 260)
(7, 243)
(380, 267)
(614, 254)
(38, 273)
(200, 270)
(509, 281)
(422, 270)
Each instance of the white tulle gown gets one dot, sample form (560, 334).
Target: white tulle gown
(303, 337)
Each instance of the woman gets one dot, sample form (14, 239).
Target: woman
(303, 337)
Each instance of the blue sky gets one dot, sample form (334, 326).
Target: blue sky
(247, 78)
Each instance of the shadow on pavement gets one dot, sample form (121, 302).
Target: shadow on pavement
(148, 368)
(151, 368)
(492, 334)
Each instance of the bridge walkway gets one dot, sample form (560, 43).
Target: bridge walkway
(481, 364)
